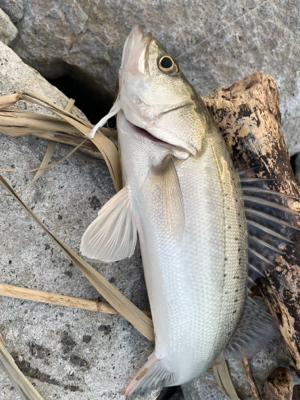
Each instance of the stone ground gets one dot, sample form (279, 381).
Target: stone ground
(67, 353)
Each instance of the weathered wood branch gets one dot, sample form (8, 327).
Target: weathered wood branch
(279, 385)
(249, 118)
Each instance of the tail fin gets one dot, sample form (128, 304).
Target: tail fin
(151, 376)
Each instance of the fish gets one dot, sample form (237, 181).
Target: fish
(207, 230)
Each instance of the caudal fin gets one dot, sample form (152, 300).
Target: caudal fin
(151, 376)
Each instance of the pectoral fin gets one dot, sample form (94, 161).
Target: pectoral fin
(163, 183)
(113, 234)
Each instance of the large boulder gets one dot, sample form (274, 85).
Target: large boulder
(66, 353)
(86, 38)
(8, 31)
(13, 8)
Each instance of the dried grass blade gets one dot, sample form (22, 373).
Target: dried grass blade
(116, 299)
(48, 154)
(223, 377)
(18, 117)
(105, 146)
(251, 380)
(70, 105)
(18, 120)
(58, 299)
(42, 101)
(9, 100)
(43, 167)
(21, 383)
(54, 136)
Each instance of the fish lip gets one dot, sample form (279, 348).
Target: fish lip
(147, 39)
(133, 42)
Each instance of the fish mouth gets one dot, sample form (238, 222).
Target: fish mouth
(178, 152)
(136, 45)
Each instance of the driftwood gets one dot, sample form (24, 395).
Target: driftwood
(249, 118)
(279, 385)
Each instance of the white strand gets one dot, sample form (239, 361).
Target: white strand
(215, 33)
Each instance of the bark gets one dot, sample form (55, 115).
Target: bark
(279, 385)
(248, 116)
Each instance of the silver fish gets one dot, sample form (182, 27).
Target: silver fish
(183, 197)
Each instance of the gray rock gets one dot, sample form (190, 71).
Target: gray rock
(13, 8)
(66, 353)
(16, 76)
(58, 35)
(262, 364)
(8, 31)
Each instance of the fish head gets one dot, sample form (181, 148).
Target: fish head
(155, 96)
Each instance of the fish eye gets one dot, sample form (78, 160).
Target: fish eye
(168, 65)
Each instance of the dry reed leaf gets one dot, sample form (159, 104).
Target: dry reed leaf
(223, 378)
(117, 300)
(18, 123)
(16, 119)
(105, 146)
(48, 154)
(43, 123)
(21, 383)
(43, 165)
(251, 380)
(58, 299)
(9, 100)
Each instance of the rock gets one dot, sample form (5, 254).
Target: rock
(84, 38)
(16, 76)
(8, 31)
(13, 8)
(66, 353)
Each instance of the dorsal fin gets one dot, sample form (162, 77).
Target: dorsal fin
(270, 222)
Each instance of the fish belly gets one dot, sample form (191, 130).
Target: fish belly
(197, 286)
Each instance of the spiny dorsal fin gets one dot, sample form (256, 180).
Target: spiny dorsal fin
(255, 330)
(112, 235)
(270, 222)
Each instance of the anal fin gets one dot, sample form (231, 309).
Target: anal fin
(152, 375)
